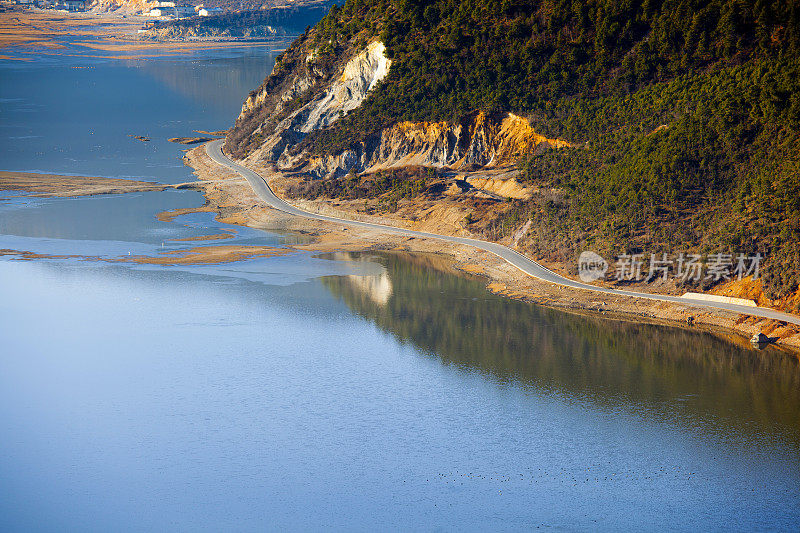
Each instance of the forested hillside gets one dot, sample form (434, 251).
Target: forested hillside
(684, 115)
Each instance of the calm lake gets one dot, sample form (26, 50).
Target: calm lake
(337, 391)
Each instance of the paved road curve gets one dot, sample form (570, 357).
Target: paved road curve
(532, 268)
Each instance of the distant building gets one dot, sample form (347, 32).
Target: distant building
(209, 11)
(174, 11)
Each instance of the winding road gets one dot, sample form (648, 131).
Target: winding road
(532, 268)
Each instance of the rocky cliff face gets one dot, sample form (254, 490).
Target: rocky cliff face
(121, 6)
(344, 90)
(477, 141)
(303, 95)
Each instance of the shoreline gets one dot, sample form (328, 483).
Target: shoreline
(235, 203)
(25, 32)
(230, 197)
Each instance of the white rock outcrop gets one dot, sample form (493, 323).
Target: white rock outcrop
(359, 76)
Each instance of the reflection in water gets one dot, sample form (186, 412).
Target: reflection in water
(177, 399)
(375, 287)
(109, 101)
(214, 82)
(685, 377)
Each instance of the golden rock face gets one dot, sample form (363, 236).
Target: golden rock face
(479, 139)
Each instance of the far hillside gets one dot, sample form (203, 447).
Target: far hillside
(228, 6)
(276, 21)
(256, 5)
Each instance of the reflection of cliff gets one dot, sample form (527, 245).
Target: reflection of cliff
(656, 369)
(376, 287)
(214, 81)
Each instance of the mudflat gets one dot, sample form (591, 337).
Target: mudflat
(55, 185)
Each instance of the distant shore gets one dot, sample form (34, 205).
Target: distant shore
(96, 35)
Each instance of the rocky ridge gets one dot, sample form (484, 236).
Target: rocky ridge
(302, 96)
(477, 141)
(344, 93)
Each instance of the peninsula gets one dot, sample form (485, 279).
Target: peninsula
(550, 130)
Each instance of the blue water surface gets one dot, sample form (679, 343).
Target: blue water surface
(356, 392)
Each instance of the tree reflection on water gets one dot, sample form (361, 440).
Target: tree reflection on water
(665, 373)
